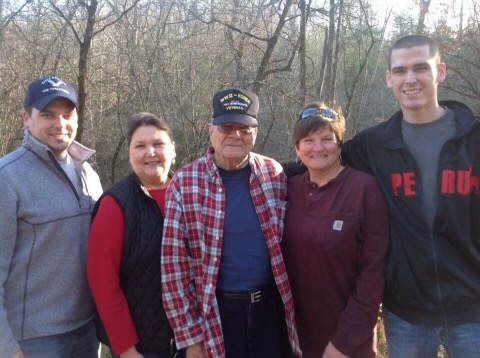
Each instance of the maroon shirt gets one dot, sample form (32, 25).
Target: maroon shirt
(335, 243)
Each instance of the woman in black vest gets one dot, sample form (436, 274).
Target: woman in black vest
(123, 260)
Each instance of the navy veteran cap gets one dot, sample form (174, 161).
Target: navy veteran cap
(44, 90)
(235, 106)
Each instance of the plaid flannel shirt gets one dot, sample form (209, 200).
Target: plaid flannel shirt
(192, 247)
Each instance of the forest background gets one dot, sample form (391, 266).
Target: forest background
(169, 57)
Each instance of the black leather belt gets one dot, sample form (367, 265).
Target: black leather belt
(251, 297)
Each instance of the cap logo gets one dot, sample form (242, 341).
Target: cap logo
(235, 102)
(53, 83)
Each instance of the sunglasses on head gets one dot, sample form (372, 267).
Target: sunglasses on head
(324, 112)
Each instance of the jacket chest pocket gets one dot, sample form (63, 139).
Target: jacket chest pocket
(338, 231)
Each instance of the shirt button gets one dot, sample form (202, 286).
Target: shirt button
(217, 238)
(215, 259)
(220, 190)
(210, 285)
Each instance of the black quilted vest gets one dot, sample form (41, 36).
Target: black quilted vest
(140, 266)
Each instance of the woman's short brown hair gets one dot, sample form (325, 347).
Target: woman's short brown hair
(304, 126)
(146, 119)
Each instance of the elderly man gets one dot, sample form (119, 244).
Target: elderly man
(48, 191)
(225, 288)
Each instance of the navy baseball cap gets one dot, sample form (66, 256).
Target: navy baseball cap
(234, 105)
(44, 90)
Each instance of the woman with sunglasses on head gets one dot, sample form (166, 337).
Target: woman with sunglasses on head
(123, 259)
(335, 242)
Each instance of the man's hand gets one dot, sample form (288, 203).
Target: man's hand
(18, 354)
(332, 352)
(131, 353)
(195, 351)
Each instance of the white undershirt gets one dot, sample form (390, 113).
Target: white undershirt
(68, 167)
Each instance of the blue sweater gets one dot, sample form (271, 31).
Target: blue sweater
(245, 264)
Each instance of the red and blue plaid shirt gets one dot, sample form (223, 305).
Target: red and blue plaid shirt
(192, 247)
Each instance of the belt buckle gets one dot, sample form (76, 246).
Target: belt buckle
(256, 296)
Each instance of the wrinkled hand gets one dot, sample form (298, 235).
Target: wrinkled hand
(131, 353)
(195, 351)
(18, 354)
(332, 352)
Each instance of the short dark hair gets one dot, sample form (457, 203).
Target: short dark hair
(303, 127)
(141, 119)
(412, 41)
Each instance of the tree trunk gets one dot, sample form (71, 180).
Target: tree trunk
(460, 26)
(424, 5)
(301, 52)
(321, 73)
(329, 53)
(237, 47)
(1, 20)
(331, 97)
(85, 47)
(272, 42)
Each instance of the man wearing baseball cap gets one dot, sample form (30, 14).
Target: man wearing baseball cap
(48, 191)
(225, 288)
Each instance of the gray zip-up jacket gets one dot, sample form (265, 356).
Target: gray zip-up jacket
(44, 224)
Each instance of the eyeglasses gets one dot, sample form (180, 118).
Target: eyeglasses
(229, 128)
(324, 112)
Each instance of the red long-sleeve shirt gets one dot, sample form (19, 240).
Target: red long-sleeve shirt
(105, 245)
(335, 242)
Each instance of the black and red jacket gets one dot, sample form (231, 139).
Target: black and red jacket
(433, 275)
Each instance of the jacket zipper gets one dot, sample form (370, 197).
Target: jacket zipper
(58, 166)
(432, 236)
(437, 284)
(430, 230)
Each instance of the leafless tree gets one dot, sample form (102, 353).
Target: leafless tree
(424, 5)
(93, 24)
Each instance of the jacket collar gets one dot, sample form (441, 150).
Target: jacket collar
(77, 151)
(464, 118)
(134, 178)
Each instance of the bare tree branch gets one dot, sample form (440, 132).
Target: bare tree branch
(9, 18)
(67, 19)
(122, 15)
